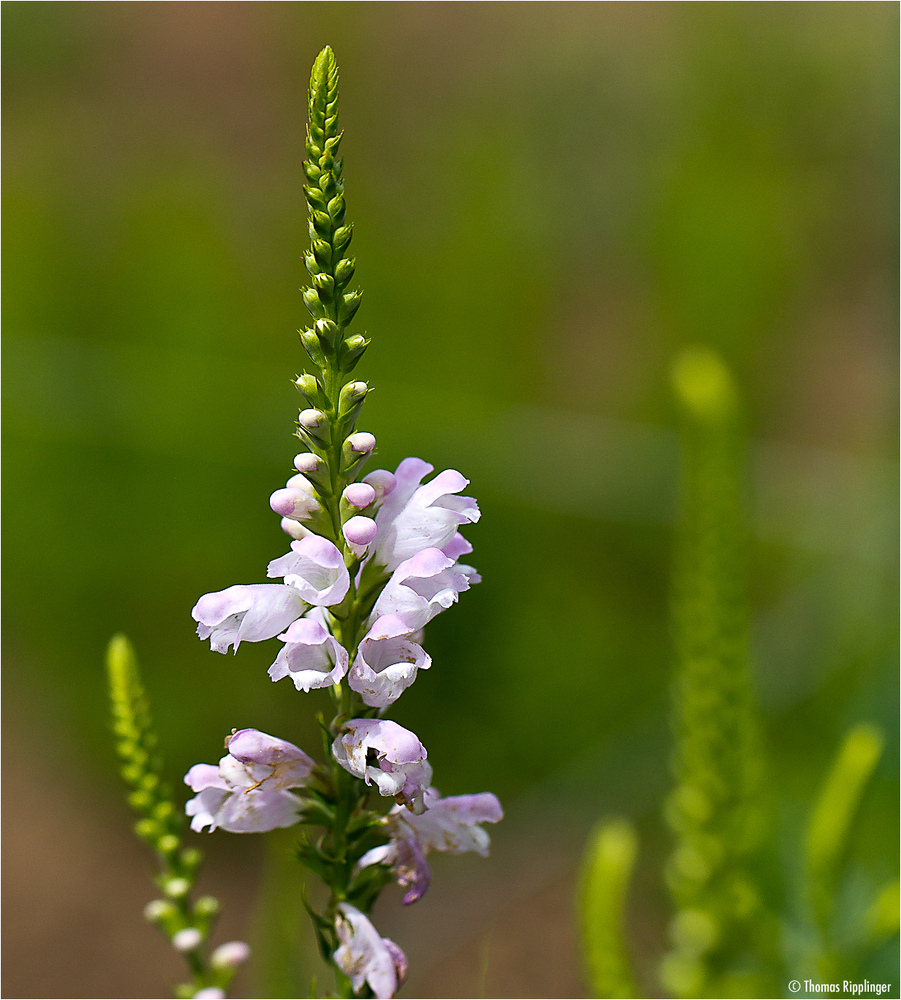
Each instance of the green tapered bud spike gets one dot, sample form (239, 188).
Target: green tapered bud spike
(330, 234)
(141, 768)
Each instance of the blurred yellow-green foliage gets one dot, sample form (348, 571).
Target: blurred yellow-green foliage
(550, 199)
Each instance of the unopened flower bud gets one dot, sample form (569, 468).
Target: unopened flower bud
(297, 504)
(351, 399)
(175, 888)
(210, 993)
(360, 530)
(230, 955)
(358, 495)
(308, 387)
(356, 449)
(206, 906)
(299, 482)
(326, 329)
(311, 419)
(191, 857)
(159, 910)
(294, 528)
(187, 939)
(356, 342)
(307, 462)
(163, 810)
(362, 442)
(147, 829)
(311, 344)
(167, 844)
(382, 481)
(313, 424)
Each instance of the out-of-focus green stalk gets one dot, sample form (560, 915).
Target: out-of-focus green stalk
(608, 870)
(722, 938)
(828, 841)
(185, 921)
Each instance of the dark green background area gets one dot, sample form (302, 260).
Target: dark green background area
(549, 200)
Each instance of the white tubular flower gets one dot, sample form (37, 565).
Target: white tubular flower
(423, 586)
(401, 768)
(366, 957)
(414, 517)
(386, 662)
(248, 791)
(246, 613)
(311, 657)
(315, 569)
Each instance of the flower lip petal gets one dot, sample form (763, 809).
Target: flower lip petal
(305, 630)
(249, 613)
(204, 776)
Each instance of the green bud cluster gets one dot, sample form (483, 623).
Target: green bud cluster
(160, 823)
(722, 934)
(332, 404)
(331, 305)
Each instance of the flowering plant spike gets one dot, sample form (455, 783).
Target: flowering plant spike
(370, 561)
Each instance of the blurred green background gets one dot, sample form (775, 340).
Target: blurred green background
(549, 199)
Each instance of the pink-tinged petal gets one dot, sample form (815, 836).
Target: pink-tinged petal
(359, 495)
(428, 562)
(383, 855)
(387, 662)
(402, 767)
(250, 746)
(382, 481)
(294, 528)
(412, 869)
(315, 569)
(298, 504)
(360, 530)
(246, 613)
(258, 811)
(312, 657)
(307, 462)
(248, 792)
(456, 547)
(449, 481)
(204, 776)
(417, 516)
(400, 961)
(204, 808)
(362, 442)
(451, 824)
(421, 587)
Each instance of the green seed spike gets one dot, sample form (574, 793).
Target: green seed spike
(723, 937)
(608, 869)
(136, 746)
